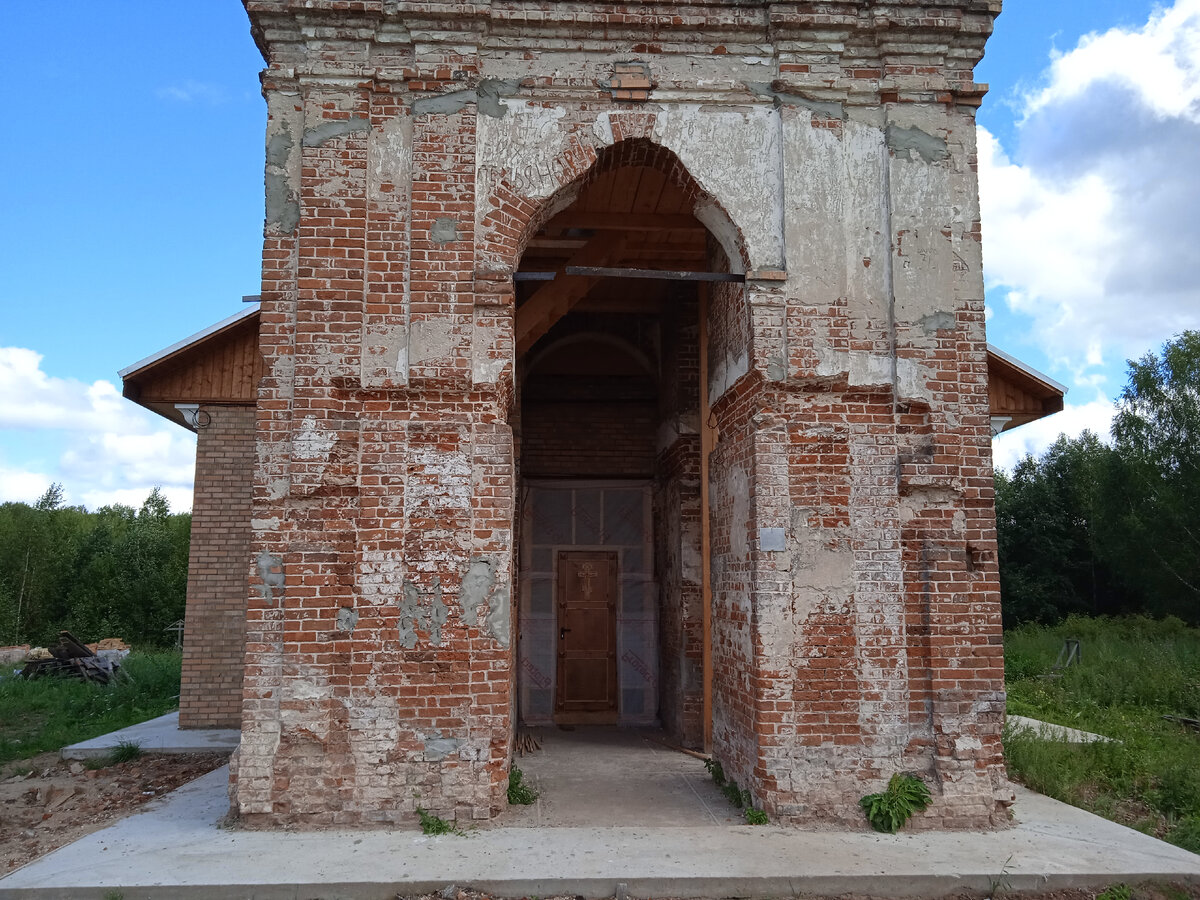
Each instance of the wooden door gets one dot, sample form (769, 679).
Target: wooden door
(587, 637)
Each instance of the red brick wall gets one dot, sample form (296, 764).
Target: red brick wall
(589, 439)
(210, 695)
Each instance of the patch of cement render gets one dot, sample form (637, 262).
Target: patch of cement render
(279, 146)
(282, 203)
(438, 748)
(481, 593)
(489, 94)
(414, 614)
(827, 108)
(444, 230)
(938, 321)
(486, 97)
(410, 614)
(347, 619)
(269, 525)
(333, 128)
(270, 570)
(926, 146)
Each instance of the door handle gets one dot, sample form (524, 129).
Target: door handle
(562, 633)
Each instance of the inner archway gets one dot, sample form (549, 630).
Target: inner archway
(615, 296)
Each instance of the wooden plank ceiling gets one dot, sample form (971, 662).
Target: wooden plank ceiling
(629, 217)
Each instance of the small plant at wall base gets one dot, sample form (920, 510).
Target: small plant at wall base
(431, 824)
(715, 770)
(755, 816)
(519, 793)
(889, 810)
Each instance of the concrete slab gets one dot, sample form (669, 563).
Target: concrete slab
(601, 776)
(1053, 732)
(161, 735)
(174, 849)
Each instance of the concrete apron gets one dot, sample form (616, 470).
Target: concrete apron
(661, 847)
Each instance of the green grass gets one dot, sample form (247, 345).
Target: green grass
(519, 793)
(1133, 672)
(50, 713)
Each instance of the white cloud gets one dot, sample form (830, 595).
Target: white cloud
(191, 91)
(103, 449)
(1089, 222)
(1012, 446)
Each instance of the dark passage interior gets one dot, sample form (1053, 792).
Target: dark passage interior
(611, 612)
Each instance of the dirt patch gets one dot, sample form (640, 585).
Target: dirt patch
(49, 802)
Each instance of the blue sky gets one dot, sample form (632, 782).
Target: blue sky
(133, 192)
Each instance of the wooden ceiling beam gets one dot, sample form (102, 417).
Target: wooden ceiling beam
(554, 299)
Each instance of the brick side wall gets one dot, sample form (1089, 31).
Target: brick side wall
(210, 695)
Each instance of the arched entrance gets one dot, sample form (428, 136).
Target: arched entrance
(615, 296)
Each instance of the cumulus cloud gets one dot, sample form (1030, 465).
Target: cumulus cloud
(1011, 447)
(105, 449)
(1090, 225)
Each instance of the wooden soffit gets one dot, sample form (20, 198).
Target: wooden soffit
(1019, 392)
(219, 366)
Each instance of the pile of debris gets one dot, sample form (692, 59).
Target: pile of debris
(91, 662)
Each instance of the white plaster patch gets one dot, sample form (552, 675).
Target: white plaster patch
(725, 151)
(432, 340)
(519, 147)
(313, 441)
(389, 159)
(487, 363)
(967, 744)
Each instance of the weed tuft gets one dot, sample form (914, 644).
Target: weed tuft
(519, 793)
(1116, 892)
(125, 751)
(434, 824)
(715, 770)
(889, 810)
(756, 817)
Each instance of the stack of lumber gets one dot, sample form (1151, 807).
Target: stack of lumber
(71, 658)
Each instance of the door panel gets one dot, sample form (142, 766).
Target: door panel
(587, 635)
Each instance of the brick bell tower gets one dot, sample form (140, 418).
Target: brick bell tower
(625, 364)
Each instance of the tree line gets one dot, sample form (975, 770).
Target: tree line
(116, 572)
(1105, 529)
